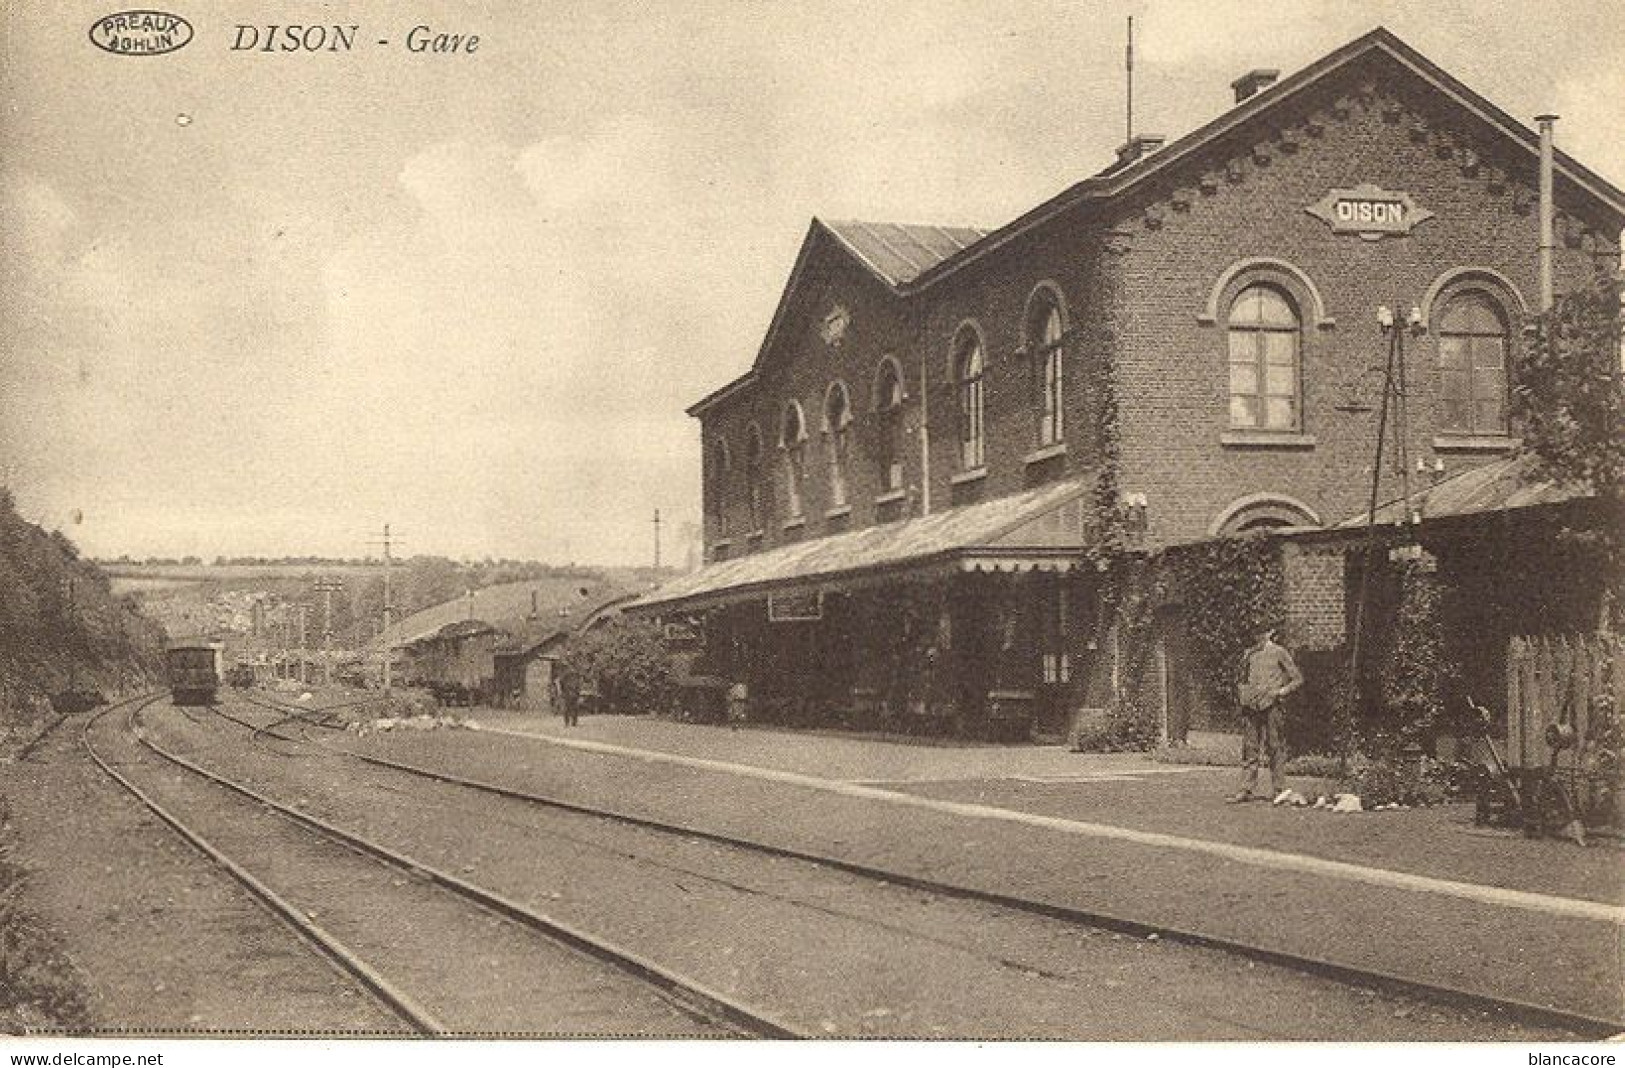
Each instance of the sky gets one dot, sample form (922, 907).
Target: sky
(262, 304)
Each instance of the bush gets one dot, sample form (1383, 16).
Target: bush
(1197, 754)
(1387, 781)
(1125, 728)
(628, 662)
(1315, 766)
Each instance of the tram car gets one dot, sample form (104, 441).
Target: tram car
(194, 670)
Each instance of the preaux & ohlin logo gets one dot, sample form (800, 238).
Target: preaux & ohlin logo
(140, 33)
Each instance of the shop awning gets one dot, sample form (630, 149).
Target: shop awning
(1038, 529)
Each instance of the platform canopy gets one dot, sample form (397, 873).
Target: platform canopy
(1043, 529)
(1499, 486)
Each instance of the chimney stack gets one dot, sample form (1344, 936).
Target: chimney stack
(1138, 146)
(1548, 241)
(1253, 82)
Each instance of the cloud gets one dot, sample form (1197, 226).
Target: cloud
(501, 343)
(1590, 127)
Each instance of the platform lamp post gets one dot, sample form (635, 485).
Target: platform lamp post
(327, 587)
(1391, 411)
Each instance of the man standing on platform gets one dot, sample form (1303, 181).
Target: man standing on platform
(1268, 674)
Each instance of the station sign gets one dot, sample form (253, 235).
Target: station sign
(1369, 211)
(797, 606)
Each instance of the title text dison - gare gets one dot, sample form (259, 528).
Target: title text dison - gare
(275, 38)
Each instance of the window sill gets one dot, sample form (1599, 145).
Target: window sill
(795, 524)
(1048, 452)
(890, 496)
(1475, 443)
(1266, 439)
(838, 513)
(756, 535)
(975, 474)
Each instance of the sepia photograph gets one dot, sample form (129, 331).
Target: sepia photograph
(634, 526)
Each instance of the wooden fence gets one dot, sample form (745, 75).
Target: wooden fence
(1557, 680)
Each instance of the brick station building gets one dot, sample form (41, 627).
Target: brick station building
(902, 493)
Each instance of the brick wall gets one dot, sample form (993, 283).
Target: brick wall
(1314, 591)
(1247, 201)
(1135, 282)
(801, 365)
(920, 334)
(994, 295)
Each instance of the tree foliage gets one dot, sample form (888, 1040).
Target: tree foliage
(627, 660)
(1412, 679)
(60, 624)
(1569, 395)
(1570, 402)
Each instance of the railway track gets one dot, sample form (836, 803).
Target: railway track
(443, 956)
(1529, 1013)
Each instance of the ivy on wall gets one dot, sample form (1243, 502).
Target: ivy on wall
(1227, 589)
(1224, 590)
(1410, 681)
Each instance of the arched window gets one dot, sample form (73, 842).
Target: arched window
(968, 362)
(716, 487)
(1472, 365)
(1044, 331)
(889, 395)
(1262, 511)
(837, 426)
(753, 478)
(1265, 341)
(793, 443)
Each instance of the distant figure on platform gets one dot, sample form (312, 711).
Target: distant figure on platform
(586, 698)
(567, 692)
(1268, 674)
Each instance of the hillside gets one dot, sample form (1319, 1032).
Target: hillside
(252, 605)
(61, 626)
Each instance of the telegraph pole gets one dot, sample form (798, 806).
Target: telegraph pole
(657, 539)
(288, 639)
(304, 655)
(327, 587)
(389, 606)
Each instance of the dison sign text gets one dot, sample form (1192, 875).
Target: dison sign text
(1369, 211)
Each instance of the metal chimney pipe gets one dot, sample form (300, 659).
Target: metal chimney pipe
(1547, 237)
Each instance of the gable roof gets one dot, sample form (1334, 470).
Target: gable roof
(1115, 181)
(910, 259)
(898, 253)
(535, 635)
(508, 606)
(894, 254)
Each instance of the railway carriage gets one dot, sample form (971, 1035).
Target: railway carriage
(194, 670)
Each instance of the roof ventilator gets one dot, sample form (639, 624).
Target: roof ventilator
(1139, 146)
(1253, 82)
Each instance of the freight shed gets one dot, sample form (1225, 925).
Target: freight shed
(525, 665)
(456, 663)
